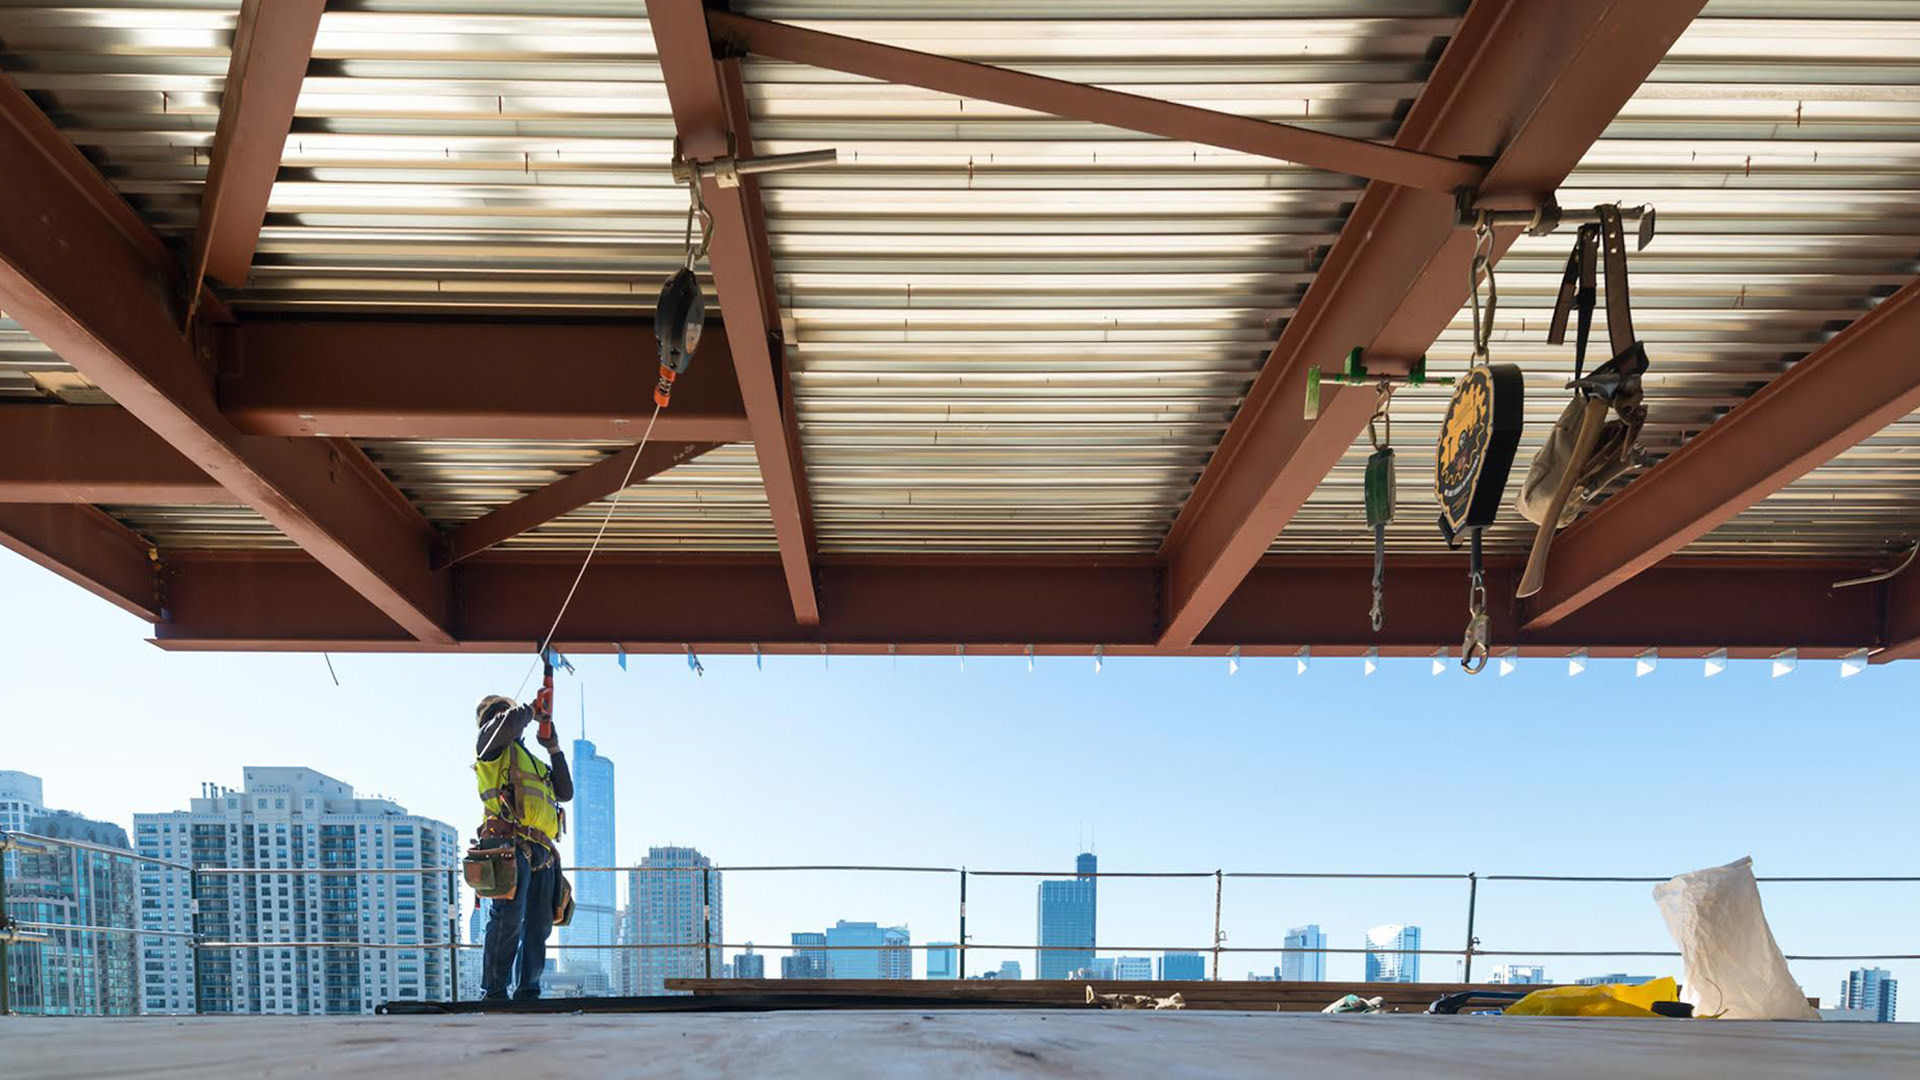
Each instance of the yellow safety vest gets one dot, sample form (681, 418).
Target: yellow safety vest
(533, 808)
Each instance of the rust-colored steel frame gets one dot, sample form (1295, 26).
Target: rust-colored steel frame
(1056, 606)
(1535, 83)
(272, 44)
(387, 379)
(88, 548)
(1078, 101)
(94, 454)
(70, 274)
(569, 493)
(1865, 378)
(710, 114)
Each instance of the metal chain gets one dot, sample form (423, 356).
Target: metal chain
(1482, 268)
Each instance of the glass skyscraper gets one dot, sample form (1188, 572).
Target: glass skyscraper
(943, 960)
(672, 906)
(1304, 966)
(1385, 966)
(888, 958)
(592, 822)
(807, 960)
(1183, 965)
(73, 972)
(1874, 990)
(1068, 919)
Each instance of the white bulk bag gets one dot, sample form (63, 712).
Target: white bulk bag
(1734, 969)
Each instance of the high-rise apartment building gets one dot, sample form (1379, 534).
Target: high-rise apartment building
(1517, 975)
(470, 958)
(72, 972)
(1872, 990)
(865, 950)
(807, 960)
(1139, 968)
(21, 800)
(943, 960)
(675, 901)
(286, 825)
(1183, 965)
(1298, 963)
(591, 820)
(750, 964)
(1390, 953)
(1069, 917)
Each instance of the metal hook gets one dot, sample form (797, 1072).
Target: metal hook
(1381, 421)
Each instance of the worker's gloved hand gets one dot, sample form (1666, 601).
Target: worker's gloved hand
(549, 736)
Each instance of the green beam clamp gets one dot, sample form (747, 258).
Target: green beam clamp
(1355, 374)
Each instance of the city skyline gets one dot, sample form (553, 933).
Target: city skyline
(137, 726)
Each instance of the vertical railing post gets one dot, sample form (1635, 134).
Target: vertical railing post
(1219, 883)
(1473, 899)
(6, 925)
(963, 923)
(453, 934)
(706, 916)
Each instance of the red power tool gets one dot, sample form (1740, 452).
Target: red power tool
(543, 705)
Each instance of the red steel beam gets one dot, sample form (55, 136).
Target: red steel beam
(470, 380)
(1537, 84)
(581, 488)
(272, 44)
(1077, 101)
(94, 454)
(1056, 606)
(69, 276)
(88, 548)
(1865, 378)
(712, 124)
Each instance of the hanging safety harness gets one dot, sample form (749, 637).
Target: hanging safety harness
(1586, 451)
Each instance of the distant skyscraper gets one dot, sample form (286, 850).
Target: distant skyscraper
(1009, 969)
(470, 958)
(1183, 965)
(1304, 966)
(74, 972)
(750, 964)
(1386, 966)
(808, 960)
(21, 800)
(1100, 968)
(943, 960)
(865, 950)
(1136, 968)
(1873, 990)
(670, 904)
(1518, 975)
(592, 822)
(1069, 917)
(289, 820)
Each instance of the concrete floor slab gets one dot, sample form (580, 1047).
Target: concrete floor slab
(950, 1044)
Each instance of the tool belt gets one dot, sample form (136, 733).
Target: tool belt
(492, 867)
(1617, 381)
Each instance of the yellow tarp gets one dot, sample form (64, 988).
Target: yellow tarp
(1607, 999)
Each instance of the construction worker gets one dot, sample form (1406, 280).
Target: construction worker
(522, 799)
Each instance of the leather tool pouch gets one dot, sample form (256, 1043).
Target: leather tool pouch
(491, 867)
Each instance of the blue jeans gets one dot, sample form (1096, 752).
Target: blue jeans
(519, 928)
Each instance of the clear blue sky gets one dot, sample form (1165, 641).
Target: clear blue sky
(1165, 764)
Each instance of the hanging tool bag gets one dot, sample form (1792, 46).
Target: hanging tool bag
(562, 899)
(1617, 381)
(492, 867)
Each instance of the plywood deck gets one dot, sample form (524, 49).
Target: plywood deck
(951, 1044)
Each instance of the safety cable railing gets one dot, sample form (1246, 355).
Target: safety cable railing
(16, 933)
